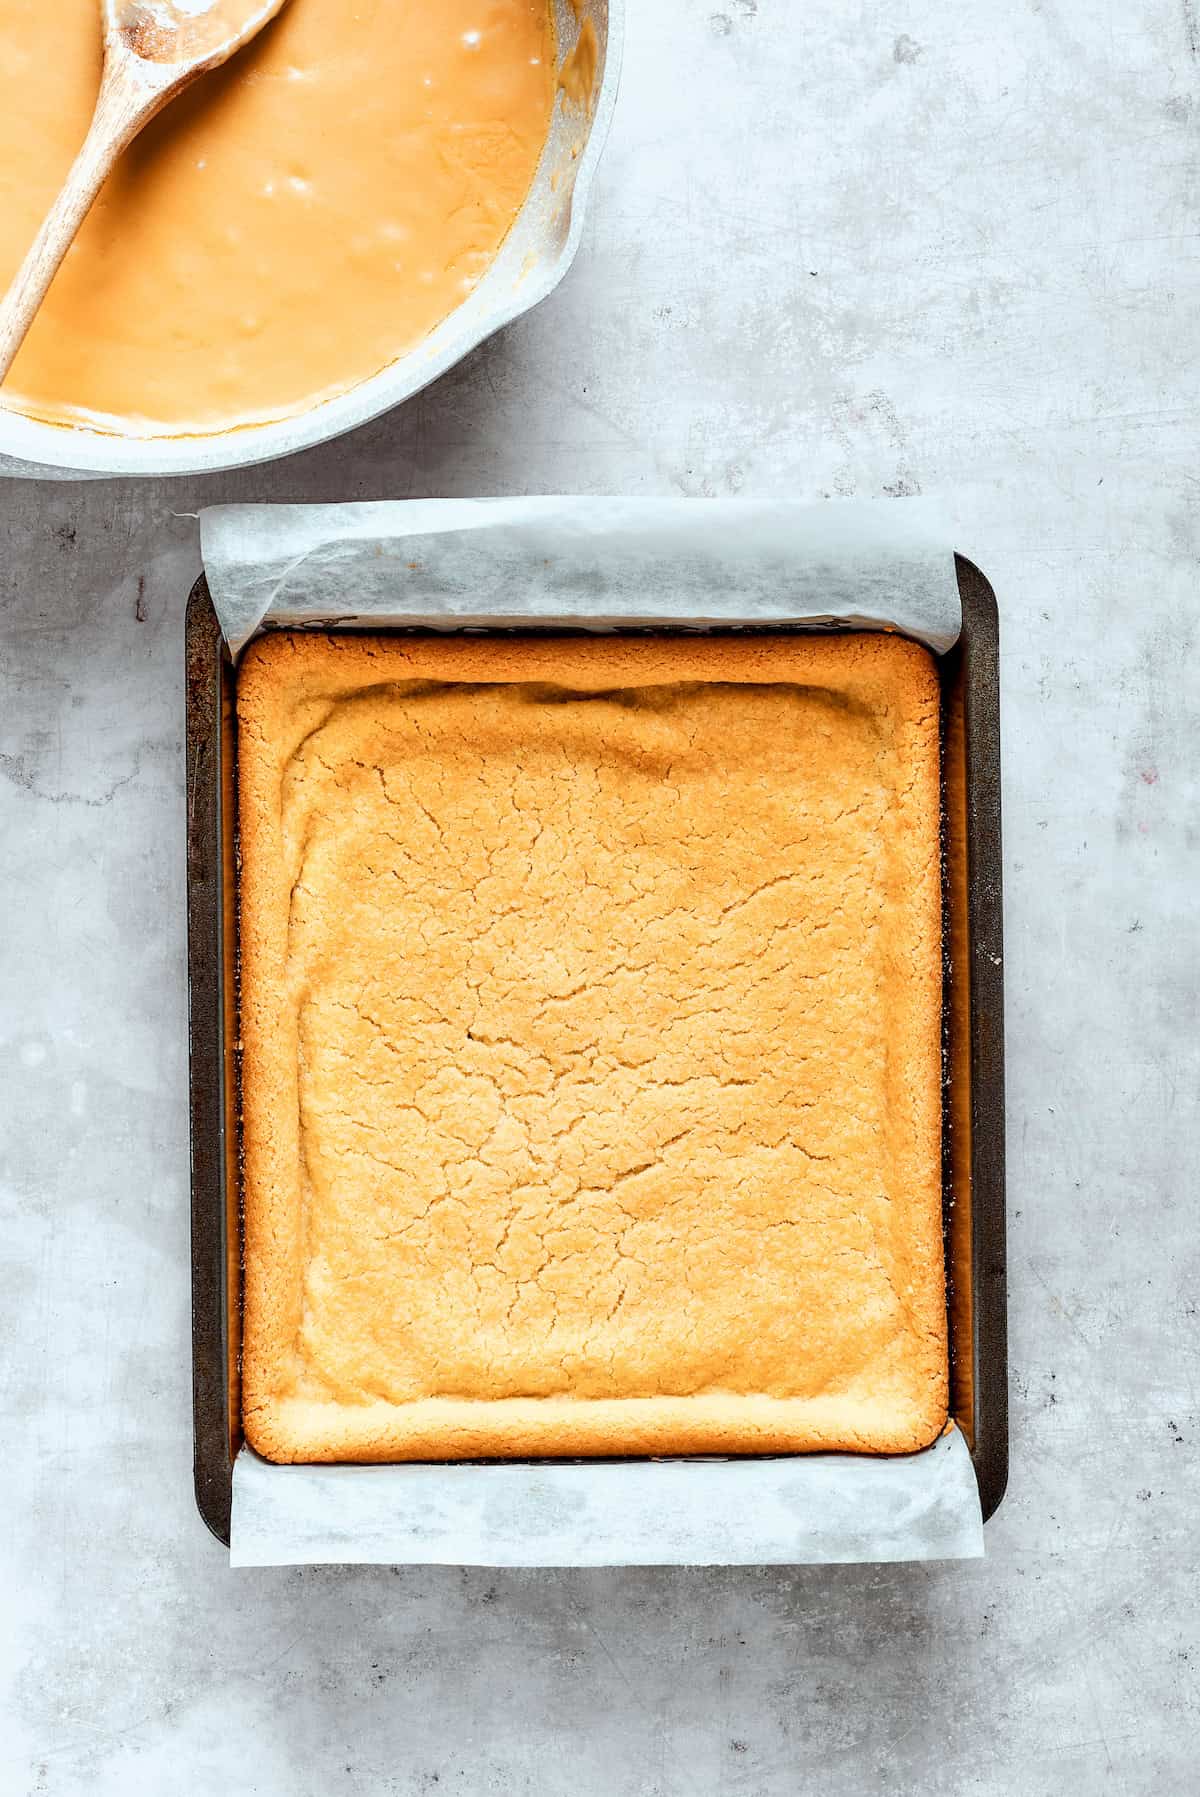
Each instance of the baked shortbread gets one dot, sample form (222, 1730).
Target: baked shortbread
(590, 1001)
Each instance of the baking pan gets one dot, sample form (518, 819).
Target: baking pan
(973, 1033)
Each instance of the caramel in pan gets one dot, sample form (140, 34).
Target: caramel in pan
(289, 227)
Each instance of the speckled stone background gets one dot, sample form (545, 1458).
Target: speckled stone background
(837, 248)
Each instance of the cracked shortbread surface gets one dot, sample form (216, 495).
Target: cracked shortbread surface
(591, 1022)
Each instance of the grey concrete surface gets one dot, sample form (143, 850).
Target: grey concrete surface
(835, 249)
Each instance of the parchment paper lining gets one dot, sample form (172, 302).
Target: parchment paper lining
(596, 563)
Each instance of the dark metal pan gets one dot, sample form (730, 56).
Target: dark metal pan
(973, 1157)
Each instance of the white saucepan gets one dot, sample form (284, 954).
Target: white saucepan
(532, 261)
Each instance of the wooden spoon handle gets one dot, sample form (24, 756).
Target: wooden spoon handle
(131, 92)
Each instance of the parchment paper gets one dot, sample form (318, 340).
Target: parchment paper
(828, 1507)
(600, 563)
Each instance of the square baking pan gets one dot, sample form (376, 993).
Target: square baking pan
(973, 1047)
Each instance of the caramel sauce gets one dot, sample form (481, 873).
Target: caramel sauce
(288, 228)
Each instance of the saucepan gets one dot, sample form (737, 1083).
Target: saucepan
(532, 261)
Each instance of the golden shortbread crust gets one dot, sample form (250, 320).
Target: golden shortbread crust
(590, 1004)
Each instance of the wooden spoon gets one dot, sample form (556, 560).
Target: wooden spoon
(153, 49)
